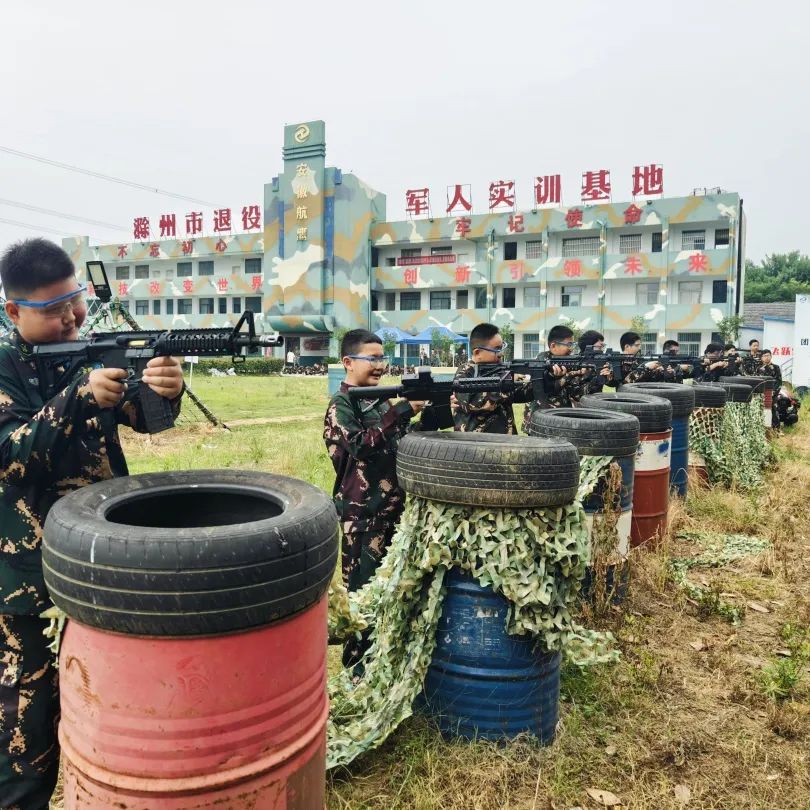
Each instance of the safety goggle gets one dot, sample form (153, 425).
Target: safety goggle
(374, 359)
(58, 306)
(500, 350)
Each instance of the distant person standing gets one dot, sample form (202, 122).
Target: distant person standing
(291, 360)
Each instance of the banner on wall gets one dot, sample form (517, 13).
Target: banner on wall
(801, 343)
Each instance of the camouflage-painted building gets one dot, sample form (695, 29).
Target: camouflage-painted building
(327, 258)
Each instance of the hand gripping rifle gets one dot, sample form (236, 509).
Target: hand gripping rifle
(131, 351)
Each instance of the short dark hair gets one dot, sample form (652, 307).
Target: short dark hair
(711, 348)
(483, 332)
(559, 333)
(628, 339)
(766, 351)
(589, 338)
(729, 346)
(355, 339)
(671, 344)
(33, 263)
(753, 341)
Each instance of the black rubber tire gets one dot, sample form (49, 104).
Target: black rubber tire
(757, 384)
(592, 432)
(735, 392)
(487, 469)
(709, 396)
(682, 397)
(163, 554)
(654, 414)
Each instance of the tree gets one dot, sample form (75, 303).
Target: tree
(389, 340)
(779, 277)
(638, 324)
(729, 328)
(337, 339)
(442, 345)
(508, 336)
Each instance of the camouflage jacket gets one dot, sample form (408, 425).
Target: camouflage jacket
(706, 374)
(735, 365)
(361, 438)
(635, 372)
(53, 439)
(771, 370)
(490, 412)
(750, 365)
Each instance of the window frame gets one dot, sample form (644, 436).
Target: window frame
(409, 297)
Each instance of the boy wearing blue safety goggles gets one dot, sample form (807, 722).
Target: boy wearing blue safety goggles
(58, 432)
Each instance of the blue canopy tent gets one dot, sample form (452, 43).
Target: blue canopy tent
(422, 338)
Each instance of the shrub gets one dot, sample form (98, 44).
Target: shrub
(252, 365)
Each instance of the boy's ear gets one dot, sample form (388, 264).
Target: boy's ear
(12, 310)
(347, 363)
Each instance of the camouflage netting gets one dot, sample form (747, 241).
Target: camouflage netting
(534, 557)
(734, 445)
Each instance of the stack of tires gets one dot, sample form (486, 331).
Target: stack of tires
(483, 682)
(193, 665)
(652, 466)
(682, 398)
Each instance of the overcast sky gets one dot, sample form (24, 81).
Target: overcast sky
(192, 98)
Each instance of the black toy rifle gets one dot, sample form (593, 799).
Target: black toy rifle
(131, 351)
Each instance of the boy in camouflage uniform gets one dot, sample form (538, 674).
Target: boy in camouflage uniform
(361, 437)
(715, 365)
(751, 362)
(768, 368)
(491, 411)
(58, 432)
(634, 371)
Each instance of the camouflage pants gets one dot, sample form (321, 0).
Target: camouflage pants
(29, 715)
(362, 555)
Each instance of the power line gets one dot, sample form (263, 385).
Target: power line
(102, 176)
(59, 214)
(42, 228)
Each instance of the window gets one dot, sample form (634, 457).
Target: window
(183, 269)
(509, 251)
(693, 240)
(141, 271)
(170, 306)
(122, 273)
(206, 306)
(253, 267)
(532, 297)
(391, 262)
(253, 303)
(410, 300)
(462, 299)
(438, 251)
(480, 297)
(410, 252)
(572, 296)
(629, 243)
(375, 257)
(689, 292)
(141, 307)
(184, 306)
(375, 304)
(531, 345)
(647, 293)
(222, 305)
(440, 299)
(721, 237)
(689, 343)
(206, 268)
(156, 307)
(508, 298)
(580, 246)
(648, 343)
(534, 250)
(719, 292)
(390, 301)
(657, 241)
(236, 305)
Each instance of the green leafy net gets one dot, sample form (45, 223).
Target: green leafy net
(534, 557)
(734, 444)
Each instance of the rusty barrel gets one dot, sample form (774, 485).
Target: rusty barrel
(705, 421)
(682, 398)
(652, 463)
(193, 665)
(598, 433)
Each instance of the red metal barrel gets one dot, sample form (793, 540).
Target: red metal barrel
(193, 667)
(223, 722)
(651, 492)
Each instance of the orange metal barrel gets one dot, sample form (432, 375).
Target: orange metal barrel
(651, 490)
(222, 722)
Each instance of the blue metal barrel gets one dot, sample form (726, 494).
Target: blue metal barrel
(679, 459)
(483, 682)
